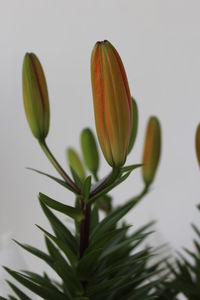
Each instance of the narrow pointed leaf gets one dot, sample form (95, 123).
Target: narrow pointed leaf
(61, 182)
(86, 187)
(60, 230)
(18, 292)
(113, 218)
(76, 178)
(61, 245)
(130, 168)
(65, 209)
(45, 257)
(42, 291)
(110, 187)
(87, 264)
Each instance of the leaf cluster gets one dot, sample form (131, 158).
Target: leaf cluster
(185, 273)
(114, 266)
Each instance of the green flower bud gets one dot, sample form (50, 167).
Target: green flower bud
(89, 150)
(152, 149)
(35, 95)
(75, 163)
(134, 128)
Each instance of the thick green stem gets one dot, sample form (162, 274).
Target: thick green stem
(58, 167)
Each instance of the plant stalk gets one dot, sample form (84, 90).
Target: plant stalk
(85, 227)
(58, 167)
(108, 180)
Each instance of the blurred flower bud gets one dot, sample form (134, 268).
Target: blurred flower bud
(75, 163)
(197, 142)
(134, 126)
(35, 95)
(89, 150)
(152, 149)
(112, 103)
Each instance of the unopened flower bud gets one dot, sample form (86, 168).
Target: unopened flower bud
(76, 163)
(89, 150)
(35, 95)
(112, 103)
(152, 150)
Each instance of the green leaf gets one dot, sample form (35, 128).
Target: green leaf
(115, 248)
(197, 231)
(198, 206)
(38, 279)
(61, 245)
(50, 260)
(94, 217)
(76, 178)
(113, 218)
(105, 203)
(77, 224)
(105, 285)
(36, 252)
(70, 211)
(42, 291)
(81, 298)
(18, 292)
(60, 230)
(125, 265)
(130, 168)
(88, 264)
(110, 187)
(86, 188)
(70, 282)
(64, 270)
(61, 182)
(56, 255)
(109, 238)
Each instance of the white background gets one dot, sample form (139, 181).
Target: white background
(159, 42)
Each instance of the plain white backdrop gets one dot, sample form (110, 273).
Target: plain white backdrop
(159, 42)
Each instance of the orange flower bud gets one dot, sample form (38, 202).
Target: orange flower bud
(197, 142)
(152, 149)
(112, 103)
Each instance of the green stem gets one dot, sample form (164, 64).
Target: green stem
(141, 195)
(108, 210)
(58, 167)
(85, 227)
(107, 181)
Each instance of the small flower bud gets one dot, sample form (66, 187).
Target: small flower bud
(35, 95)
(152, 149)
(89, 150)
(75, 163)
